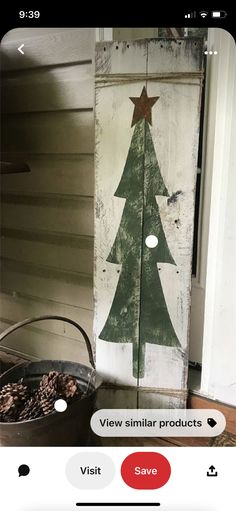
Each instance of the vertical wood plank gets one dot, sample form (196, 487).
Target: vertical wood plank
(172, 73)
(113, 120)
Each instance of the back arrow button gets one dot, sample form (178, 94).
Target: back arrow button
(20, 49)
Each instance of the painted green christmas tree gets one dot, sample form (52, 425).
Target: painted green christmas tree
(139, 312)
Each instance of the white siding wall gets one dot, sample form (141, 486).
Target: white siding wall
(47, 214)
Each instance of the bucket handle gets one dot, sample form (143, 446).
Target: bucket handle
(60, 318)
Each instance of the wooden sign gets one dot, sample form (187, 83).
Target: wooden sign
(147, 124)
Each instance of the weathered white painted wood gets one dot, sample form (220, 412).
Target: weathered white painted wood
(72, 45)
(117, 57)
(50, 132)
(175, 55)
(175, 126)
(113, 136)
(123, 34)
(116, 398)
(131, 398)
(55, 173)
(70, 87)
(160, 400)
(65, 215)
(15, 307)
(172, 70)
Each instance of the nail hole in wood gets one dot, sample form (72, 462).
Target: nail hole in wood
(103, 271)
(117, 47)
(177, 271)
(127, 45)
(161, 45)
(104, 48)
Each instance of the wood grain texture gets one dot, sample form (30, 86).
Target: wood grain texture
(156, 442)
(174, 131)
(229, 412)
(110, 398)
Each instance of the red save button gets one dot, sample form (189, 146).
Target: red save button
(145, 470)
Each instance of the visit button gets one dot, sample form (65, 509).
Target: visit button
(145, 470)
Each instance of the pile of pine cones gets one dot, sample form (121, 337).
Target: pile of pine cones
(19, 403)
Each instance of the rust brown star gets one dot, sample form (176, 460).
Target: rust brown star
(143, 106)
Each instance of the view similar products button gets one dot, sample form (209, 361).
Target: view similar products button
(145, 470)
(155, 422)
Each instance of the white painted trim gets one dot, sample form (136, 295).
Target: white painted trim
(104, 34)
(220, 71)
(199, 281)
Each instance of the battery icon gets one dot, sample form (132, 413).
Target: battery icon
(219, 14)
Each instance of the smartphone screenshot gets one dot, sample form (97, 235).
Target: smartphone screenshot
(118, 248)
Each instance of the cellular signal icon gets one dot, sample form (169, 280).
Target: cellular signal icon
(203, 14)
(190, 15)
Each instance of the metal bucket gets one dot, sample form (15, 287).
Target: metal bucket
(70, 428)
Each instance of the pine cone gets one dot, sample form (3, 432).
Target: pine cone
(67, 386)
(48, 384)
(59, 384)
(12, 400)
(47, 405)
(18, 404)
(32, 410)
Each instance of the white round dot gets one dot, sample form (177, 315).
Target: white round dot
(210, 52)
(60, 405)
(215, 52)
(206, 52)
(151, 241)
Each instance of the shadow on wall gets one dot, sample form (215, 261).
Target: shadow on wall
(47, 213)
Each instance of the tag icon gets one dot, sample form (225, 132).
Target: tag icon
(211, 422)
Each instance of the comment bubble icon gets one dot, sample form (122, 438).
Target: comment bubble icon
(23, 470)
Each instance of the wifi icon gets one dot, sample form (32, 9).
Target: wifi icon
(203, 14)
